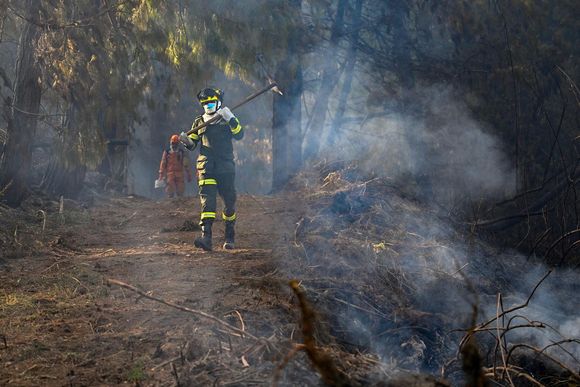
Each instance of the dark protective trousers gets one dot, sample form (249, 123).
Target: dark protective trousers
(212, 185)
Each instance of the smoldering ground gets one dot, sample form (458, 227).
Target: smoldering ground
(389, 272)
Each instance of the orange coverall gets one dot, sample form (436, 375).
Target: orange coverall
(174, 165)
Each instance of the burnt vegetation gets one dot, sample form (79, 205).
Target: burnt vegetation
(409, 205)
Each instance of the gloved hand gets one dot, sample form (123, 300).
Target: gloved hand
(185, 139)
(226, 113)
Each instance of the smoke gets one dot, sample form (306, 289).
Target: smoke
(435, 141)
(552, 308)
(406, 277)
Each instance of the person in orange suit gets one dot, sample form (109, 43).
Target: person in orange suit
(173, 168)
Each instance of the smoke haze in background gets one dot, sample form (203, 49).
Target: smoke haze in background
(437, 140)
(252, 153)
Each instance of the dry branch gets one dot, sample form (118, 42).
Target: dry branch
(573, 374)
(506, 312)
(184, 309)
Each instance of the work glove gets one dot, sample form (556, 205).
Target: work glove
(184, 138)
(226, 113)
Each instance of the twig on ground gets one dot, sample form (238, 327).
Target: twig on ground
(43, 213)
(500, 341)
(183, 308)
(175, 375)
(241, 320)
(61, 209)
(574, 375)
(125, 221)
(519, 373)
(165, 363)
(505, 312)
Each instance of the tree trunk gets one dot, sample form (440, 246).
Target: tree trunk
(348, 76)
(330, 77)
(286, 119)
(403, 64)
(17, 156)
(287, 114)
(60, 179)
(65, 173)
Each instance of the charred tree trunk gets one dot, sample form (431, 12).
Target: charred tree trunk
(329, 80)
(287, 116)
(17, 156)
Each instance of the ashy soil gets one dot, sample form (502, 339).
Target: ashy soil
(61, 323)
(388, 283)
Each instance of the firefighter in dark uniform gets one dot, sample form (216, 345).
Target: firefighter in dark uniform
(216, 169)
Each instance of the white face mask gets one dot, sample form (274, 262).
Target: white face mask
(210, 108)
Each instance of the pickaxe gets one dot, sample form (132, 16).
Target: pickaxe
(271, 86)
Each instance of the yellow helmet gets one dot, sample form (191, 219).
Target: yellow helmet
(210, 94)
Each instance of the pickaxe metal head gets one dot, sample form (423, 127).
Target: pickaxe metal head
(275, 89)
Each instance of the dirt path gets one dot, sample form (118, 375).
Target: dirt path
(63, 325)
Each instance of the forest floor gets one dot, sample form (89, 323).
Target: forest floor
(391, 287)
(62, 324)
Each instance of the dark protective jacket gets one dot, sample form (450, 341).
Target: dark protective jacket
(216, 154)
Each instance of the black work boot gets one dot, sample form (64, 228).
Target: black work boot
(229, 236)
(204, 242)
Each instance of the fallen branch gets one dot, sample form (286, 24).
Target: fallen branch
(43, 213)
(516, 372)
(508, 311)
(125, 221)
(184, 309)
(573, 374)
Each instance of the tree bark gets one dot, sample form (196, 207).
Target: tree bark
(286, 120)
(348, 76)
(17, 156)
(65, 177)
(329, 80)
(287, 113)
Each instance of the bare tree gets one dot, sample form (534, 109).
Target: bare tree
(16, 159)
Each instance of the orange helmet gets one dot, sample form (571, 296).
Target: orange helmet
(174, 139)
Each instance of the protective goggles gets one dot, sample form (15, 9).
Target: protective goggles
(210, 105)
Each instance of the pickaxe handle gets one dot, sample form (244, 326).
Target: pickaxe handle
(217, 117)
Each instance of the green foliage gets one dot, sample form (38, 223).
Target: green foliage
(137, 373)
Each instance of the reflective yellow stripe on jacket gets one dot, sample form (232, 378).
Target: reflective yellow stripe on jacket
(207, 182)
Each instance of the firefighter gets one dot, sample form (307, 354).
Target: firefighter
(216, 169)
(174, 165)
